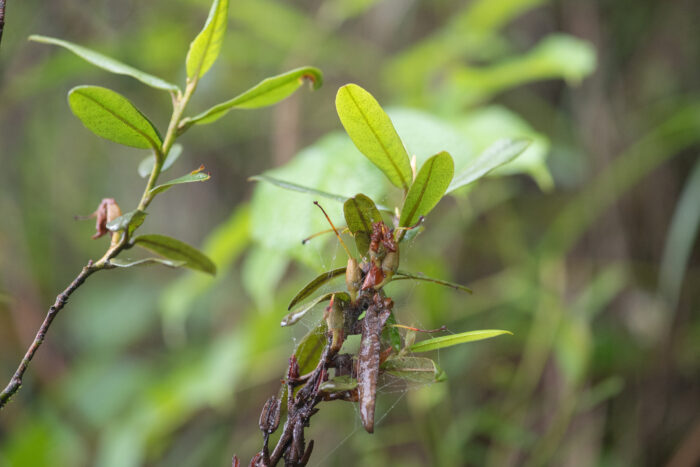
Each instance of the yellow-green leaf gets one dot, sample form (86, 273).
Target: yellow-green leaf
(371, 130)
(205, 48)
(267, 92)
(107, 63)
(312, 286)
(111, 116)
(360, 213)
(454, 339)
(428, 189)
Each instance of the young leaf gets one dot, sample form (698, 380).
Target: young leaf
(107, 63)
(431, 182)
(501, 152)
(176, 250)
(194, 176)
(267, 92)
(146, 165)
(205, 48)
(131, 220)
(391, 333)
(339, 384)
(120, 263)
(403, 275)
(454, 339)
(296, 314)
(416, 369)
(312, 286)
(360, 213)
(371, 130)
(111, 116)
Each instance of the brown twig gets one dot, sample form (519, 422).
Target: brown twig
(58, 305)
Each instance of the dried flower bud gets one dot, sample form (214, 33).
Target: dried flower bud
(293, 372)
(107, 211)
(270, 415)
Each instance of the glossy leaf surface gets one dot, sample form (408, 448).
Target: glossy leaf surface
(176, 250)
(428, 188)
(111, 116)
(296, 314)
(131, 220)
(360, 213)
(371, 130)
(107, 63)
(194, 176)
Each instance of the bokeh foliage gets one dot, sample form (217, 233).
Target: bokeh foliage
(161, 367)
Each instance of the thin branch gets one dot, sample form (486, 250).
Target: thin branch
(58, 305)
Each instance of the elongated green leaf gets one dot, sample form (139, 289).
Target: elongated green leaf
(371, 130)
(131, 220)
(107, 63)
(360, 213)
(267, 92)
(339, 384)
(146, 165)
(310, 348)
(296, 314)
(205, 48)
(121, 263)
(111, 116)
(195, 176)
(403, 275)
(312, 286)
(501, 152)
(454, 339)
(176, 250)
(415, 369)
(428, 189)
(391, 333)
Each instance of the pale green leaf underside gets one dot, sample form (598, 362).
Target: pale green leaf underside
(371, 130)
(296, 314)
(205, 48)
(146, 165)
(428, 188)
(111, 116)
(454, 339)
(403, 275)
(267, 92)
(176, 250)
(499, 153)
(416, 369)
(122, 263)
(189, 178)
(107, 63)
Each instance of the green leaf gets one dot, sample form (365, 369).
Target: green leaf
(120, 263)
(360, 213)
(371, 130)
(427, 190)
(403, 275)
(310, 348)
(131, 220)
(146, 165)
(415, 369)
(111, 116)
(454, 339)
(205, 48)
(107, 63)
(501, 152)
(339, 384)
(294, 187)
(267, 92)
(312, 286)
(296, 314)
(194, 176)
(391, 333)
(176, 250)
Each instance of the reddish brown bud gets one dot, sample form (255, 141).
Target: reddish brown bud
(270, 416)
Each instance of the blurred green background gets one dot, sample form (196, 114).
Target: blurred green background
(584, 247)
